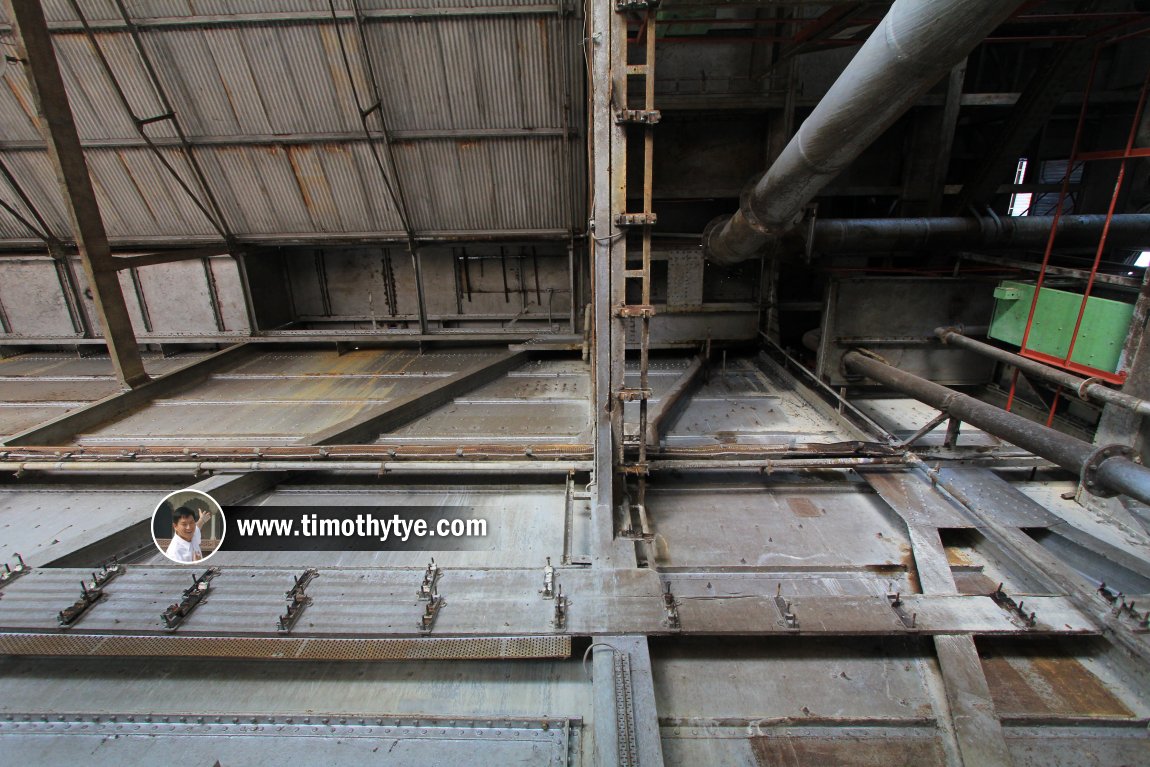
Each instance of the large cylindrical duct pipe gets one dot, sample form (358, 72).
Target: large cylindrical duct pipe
(868, 235)
(909, 51)
(1101, 469)
(1086, 388)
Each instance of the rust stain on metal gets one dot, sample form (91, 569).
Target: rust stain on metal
(973, 583)
(32, 114)
(298, 175)
(1042, 679)
(906, 557)
(788, 751)
(804, 507)
(957, 557)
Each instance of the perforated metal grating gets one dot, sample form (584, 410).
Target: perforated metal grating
(445, 648)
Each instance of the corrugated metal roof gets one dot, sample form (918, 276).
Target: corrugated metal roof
(493, 72)
(152, 10)
(276, 83)
(36, 178)
(490, 184)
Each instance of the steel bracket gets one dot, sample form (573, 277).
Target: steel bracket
(632, 395)
(625, 6)
(645, 311)
(1120, 607)
(638, 116)
(12, 573)
(1016, 609)
(787, 616)
(908, 619)
(109, 571)
(559, 620)
(636, 219)
(430, 612)
(548, 590)
(191, 598)
(671, 608)
(297, 600)
(430, 579)
(88, 597)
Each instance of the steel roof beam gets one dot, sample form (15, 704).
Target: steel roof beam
(34, 48)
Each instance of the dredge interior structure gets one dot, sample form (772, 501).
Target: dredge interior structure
(795, 353)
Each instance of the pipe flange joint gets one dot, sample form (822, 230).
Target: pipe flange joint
(1084, 388)
(711, 237)
(746, 207)
(1089, 476)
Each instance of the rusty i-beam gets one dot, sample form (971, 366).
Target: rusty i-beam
(34, 49)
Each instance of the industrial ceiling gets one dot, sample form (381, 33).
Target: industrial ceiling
(793, 353)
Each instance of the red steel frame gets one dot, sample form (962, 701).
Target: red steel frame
(1075, 157)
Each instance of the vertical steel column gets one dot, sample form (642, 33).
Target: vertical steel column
(607, 39)
(34, 48)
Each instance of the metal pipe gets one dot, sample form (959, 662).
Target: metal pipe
(1099, 471)
(957, 233)
(1087, 388)
(360, 468)
(911, 49)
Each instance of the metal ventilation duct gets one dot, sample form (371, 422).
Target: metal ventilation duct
(910, 50)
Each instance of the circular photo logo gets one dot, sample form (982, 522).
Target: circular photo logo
(188, 526)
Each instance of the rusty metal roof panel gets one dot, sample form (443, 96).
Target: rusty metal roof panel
(18, 120)
(302, 188)
(159, 10)
(36, 178)
(471, 73)
(459, 92)
(499, 184)
(281, 80)
(98, 109)
(139, 197)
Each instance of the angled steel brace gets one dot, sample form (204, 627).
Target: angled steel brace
(366, 427)
(63, 429)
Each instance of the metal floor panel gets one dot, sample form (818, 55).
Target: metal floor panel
(303, 389)
(531, 388)
(1082, 746)
(15, 419)
(1125, 534)
(760, 745)
(327, 361)
(21, 390)
(68, 365)
(510, 688)
(487, 422)
(780, 527)
(44, 522)
(240, 423)
(741, 404)
(801, 679)
(295, 745)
